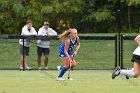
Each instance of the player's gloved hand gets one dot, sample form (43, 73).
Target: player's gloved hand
(70, 59)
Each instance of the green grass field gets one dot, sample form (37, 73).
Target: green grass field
(92, 54)
(84, 81)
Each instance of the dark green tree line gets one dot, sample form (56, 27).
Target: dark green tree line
(97, 16)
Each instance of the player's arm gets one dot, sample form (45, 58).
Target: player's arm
(77, 46)
(137, 39)
(67, 43)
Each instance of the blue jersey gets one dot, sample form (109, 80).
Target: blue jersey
(62, 46)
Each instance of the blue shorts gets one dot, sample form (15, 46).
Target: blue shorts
(63, 55)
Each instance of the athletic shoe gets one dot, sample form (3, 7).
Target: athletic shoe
(58, 68)
(60, 79)
(46, 68)
(39, 68)
(116, 72)
(20, 68)
(28, 68)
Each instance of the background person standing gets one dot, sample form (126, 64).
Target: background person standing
(43, 46)
(27, 30)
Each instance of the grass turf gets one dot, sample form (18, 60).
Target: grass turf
(92, 54)
(84, 81)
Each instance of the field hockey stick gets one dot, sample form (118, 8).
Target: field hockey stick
(70, 64)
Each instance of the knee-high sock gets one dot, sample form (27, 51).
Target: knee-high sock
(62, 71)
(129, 73)
(61, 67)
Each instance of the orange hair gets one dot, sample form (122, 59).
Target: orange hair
(64, 36)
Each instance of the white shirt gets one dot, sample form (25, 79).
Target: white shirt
(44, 32)
(26, 32)
(137, 51)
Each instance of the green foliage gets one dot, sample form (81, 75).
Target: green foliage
(133, 2)
(103, 15)
(85, 15)
(17, 8)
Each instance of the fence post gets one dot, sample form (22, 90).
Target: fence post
(116, 50)
(119, 50)
(23, 62)
(121, 46)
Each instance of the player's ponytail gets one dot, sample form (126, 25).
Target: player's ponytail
(65, 35)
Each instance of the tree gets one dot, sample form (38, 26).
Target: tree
(131, 3)
(85, 15)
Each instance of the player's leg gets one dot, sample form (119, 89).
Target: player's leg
(136, 69)
(135, 72)
(59, 68)
(63, 68)
(73, 63)
(73, 60)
